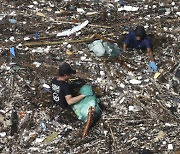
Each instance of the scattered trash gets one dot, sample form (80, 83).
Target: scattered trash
(13, 21)
(178, 13)
(134, 81)
(47, 88)
(97, 48)
(12, 52)
(43, 126)
(140, 107)
(36, 35)
(73, 30)
(101, 48)
(37, 64)
(51, 137)
(170, 147)
(157, 74)
(128, 8)
(39, 140)
(3, 134)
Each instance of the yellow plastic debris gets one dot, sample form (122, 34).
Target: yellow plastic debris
(157, 74)
(51, 137)
(69, 53)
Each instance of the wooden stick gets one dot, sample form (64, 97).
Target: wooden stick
(86, 39)
(112, 135)
(88, 121)
(43, 43)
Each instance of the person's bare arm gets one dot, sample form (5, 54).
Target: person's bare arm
(150, 54)
(72, 100)
(124, 47)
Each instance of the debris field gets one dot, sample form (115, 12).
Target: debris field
(140, 108)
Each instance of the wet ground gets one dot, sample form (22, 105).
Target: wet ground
(137, 118)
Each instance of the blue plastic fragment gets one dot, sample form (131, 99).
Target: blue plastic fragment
(13, 21)
(36, 35)
(43, 126)
(12, 52)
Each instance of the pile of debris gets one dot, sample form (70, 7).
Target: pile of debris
(140, 108)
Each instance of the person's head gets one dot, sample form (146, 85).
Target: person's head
(66, 71)
(140, 33)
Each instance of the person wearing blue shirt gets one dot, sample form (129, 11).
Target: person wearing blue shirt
(138, 39)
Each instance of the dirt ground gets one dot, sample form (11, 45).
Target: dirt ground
(141, 118)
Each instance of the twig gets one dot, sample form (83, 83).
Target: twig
(114, 141)
(88, 122)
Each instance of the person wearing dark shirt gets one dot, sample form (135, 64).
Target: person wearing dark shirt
(138, 39)
(61, 89)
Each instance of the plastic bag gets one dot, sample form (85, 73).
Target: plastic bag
(112, 49)
(81, 108)
(101, 48)
(97, 47)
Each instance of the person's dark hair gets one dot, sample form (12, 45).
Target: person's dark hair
(65, 69)
(140, 31)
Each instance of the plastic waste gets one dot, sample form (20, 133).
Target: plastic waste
(134, 81)
(36, 35)
(128, 8)
(46, 87)
(81, 108)
(12, 52)
(112, 49)
(157, 74)
(101, 48)
(51, 137)
(43, 126)
(2, 134)
(73, 30)
(170, 147)
(86, 90)
(97, 47)
(37, 64)
(13, 21)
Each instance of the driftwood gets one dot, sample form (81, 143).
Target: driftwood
(88, 122)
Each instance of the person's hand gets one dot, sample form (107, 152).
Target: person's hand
(153, 66)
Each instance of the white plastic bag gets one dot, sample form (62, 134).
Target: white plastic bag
(97, 47)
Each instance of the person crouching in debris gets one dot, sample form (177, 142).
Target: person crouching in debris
(61, 89)
(138, 39)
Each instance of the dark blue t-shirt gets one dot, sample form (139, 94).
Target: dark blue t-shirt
(131, 41)
(60, 89)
